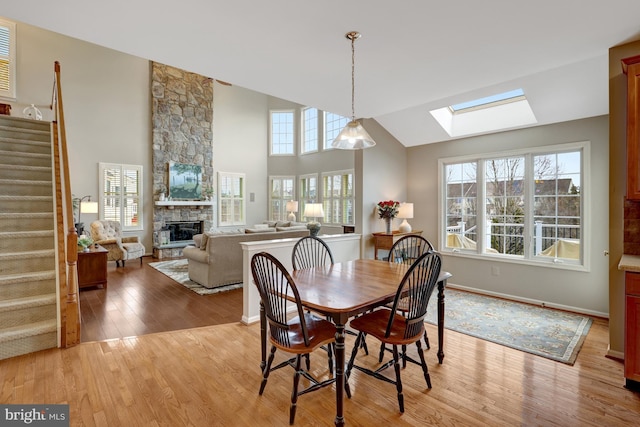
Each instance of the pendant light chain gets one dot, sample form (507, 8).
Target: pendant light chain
(353, 76)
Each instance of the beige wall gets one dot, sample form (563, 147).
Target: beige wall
(106, 103)
(617, 189)
(583, 291)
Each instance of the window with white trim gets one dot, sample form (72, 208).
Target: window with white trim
(309, 130)
(281, 191)
(533, 204)
(333, 125)
(121, 195)
(308, 191)
(7, 59)
(231, 199)
(282, 132)
(338, 197)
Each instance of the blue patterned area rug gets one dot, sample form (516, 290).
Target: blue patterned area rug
(545, 332)
(178, 270)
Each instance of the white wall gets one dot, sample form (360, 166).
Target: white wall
(240, 120)
(582, 291)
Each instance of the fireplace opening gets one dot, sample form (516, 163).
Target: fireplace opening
(181, 231)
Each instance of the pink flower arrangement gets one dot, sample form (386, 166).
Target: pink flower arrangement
(388, 208)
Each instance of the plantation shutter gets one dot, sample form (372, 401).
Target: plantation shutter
(7, 59)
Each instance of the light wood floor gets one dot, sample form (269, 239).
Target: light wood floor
(209, 376)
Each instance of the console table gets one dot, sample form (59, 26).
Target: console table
(92, 267)
(384, 241)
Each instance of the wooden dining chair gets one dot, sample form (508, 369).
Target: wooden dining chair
(407, 250)
(395, 329)
(312, 251)
(299, 335)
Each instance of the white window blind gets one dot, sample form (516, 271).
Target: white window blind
(7, 59)
(121, 195)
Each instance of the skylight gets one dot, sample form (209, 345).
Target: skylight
(487, 101)
(489, 114)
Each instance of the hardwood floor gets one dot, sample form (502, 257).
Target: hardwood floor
(140, 300)
(210, 376)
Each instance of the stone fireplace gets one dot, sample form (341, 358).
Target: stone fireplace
(182, 119)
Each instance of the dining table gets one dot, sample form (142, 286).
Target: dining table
(344, 290)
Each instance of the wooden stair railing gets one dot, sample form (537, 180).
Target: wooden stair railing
(67, 237)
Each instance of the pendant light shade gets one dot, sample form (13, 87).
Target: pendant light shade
(353, 136)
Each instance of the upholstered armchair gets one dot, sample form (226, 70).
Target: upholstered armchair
(108, 234)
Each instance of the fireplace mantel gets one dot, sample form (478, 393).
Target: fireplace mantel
(170, 204)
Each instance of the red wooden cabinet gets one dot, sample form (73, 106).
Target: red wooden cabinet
(632, 329)
(631, 67)
(92, 267)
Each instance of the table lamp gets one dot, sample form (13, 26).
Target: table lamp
(84, 207)
(292, 206)
(313, 210)
(405, 211)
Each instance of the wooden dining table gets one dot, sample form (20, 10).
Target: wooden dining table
(344, 290)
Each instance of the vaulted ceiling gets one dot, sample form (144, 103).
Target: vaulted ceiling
(413, 56)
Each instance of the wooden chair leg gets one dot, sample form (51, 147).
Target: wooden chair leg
(294, 393)
(426, 340)
(382, 349)
(396, 366)
(141, 264)
(425, 368)
(267, 370)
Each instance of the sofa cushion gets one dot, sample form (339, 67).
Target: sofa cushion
(260, 226)
(292, 228)
(197, 240)
(260, 230)
(271, 223)
(203, 243)
(283, 224)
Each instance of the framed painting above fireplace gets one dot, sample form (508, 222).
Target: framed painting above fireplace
(185, 181)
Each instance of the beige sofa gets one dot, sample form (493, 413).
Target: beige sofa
(216, 259)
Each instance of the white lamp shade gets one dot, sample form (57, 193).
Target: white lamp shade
(353, 137)
(292, 206)
(313, 210)
(89, 207)
(405, 210)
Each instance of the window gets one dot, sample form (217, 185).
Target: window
(282, 132)
(338, 197)
(333, 125)
(7, 59)
(281, 191)
(532, 205)
(308, 192)
(309, 130)
(231, 199)
(121, 195)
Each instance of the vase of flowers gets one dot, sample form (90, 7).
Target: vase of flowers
(387, 210)
(85, 242)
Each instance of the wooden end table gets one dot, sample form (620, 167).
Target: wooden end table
(92, 267)
(384, 241)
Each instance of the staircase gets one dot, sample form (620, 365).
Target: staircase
(28, 302)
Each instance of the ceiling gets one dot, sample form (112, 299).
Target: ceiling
(413, 56)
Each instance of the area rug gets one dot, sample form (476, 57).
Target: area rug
(177, 270)
(545, 332)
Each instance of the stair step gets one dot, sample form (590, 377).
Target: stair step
(38, 173)
(25, 124)
(17, 204)
(26, 221)
(21, 187)
(28, 338)
(21, 158)
(27, 261)
(19, 241)
(22, 311)
(27, 284)
(24, 145)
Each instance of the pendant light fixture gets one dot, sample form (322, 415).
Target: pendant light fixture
(353, 136)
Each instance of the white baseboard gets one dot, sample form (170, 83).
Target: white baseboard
(531, 301)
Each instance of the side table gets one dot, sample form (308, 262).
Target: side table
(92, 267)
(384, 241)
